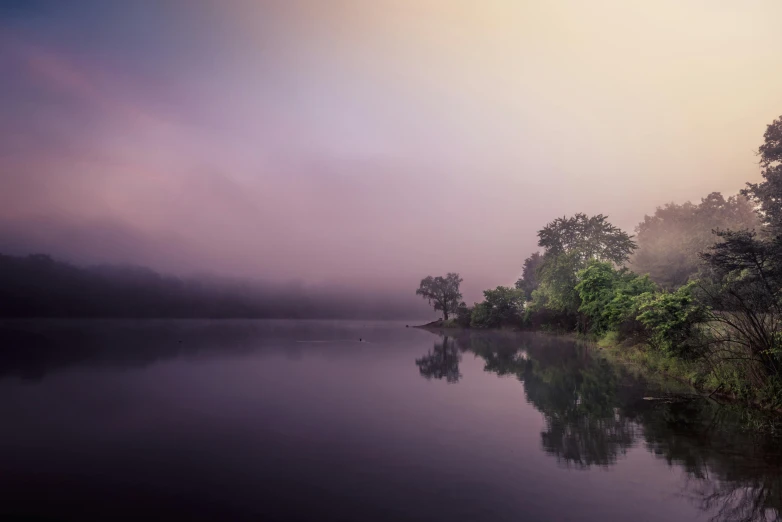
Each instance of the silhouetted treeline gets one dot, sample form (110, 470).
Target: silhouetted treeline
(39, 286)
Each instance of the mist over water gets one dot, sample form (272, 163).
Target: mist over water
(291, 420)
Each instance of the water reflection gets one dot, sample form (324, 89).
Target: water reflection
(35, 349)
(594, 412)
(249, 403)
(735, 474)
(577, 396)
(442, 361)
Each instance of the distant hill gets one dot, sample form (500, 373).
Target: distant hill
(40, 286)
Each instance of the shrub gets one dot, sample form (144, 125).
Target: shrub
(463, 316)
(608, 297)
(501, 307)
(673, 320)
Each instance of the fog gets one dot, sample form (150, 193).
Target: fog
(365, 145)
(39, 286)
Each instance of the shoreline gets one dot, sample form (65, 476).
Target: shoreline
(633, 357)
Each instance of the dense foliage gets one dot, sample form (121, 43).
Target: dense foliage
(705, 296)
(609, 297)
(530, 275)
(501, 307)
(587, 238)
(672, 320)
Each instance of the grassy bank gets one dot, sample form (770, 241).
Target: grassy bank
(649, 362)
(727, 385)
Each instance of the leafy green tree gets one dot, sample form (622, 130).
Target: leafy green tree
(608, 296)
(530, 275)
(588, 238)
(571, 244)
(481, 316)
(557, 289)
(673, 320)
(501, 306)
(442, 292)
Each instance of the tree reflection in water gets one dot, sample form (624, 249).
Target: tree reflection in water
(442, 362)
(734, 474)
(594, 412)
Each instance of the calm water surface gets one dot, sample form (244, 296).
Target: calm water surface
(286, 420)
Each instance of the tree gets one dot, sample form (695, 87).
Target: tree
(463, 315)
(502, 306)
(745, 284)
(768, 193)
(530, 276)
(673, 320)
(572, 243)
(557, 288)
(589, 238)
(608, 296)
(669, 240)
(442, 292)
(745, 290)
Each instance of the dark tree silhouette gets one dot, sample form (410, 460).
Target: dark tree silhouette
(40, 286)
(768, 193)
(442, 292)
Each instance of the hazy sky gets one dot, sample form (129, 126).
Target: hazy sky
(372, 141)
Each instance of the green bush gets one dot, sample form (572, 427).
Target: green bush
(673, 320)
(608, 297)
(501, 307)
(463, 316)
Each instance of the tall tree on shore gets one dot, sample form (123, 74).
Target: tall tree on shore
(442, 292)
(745, 286)
(530, 275)
(588, 238)
(571, 244)
(768, 193)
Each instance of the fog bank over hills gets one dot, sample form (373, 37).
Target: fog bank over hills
(40, 286)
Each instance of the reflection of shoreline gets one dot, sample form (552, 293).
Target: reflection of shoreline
(594, 412)
(33, 349)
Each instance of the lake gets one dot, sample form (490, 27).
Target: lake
(299, 420)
